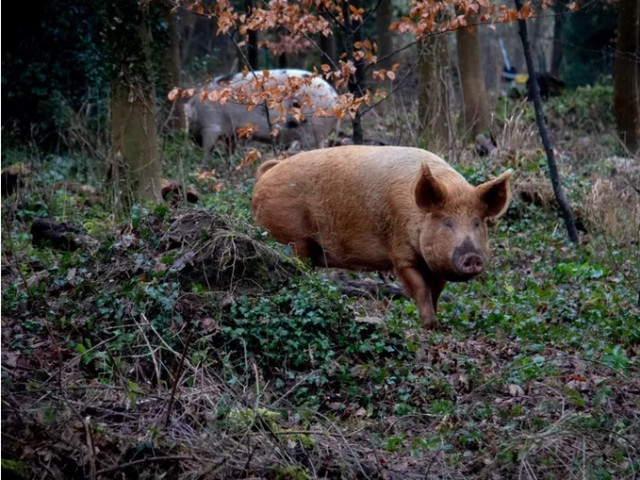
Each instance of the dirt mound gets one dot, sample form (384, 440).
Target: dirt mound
(215, 251)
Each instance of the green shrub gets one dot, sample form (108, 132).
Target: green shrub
(301, 326)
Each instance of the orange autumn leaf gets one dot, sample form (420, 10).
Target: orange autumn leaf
(356, 12)
(174, 94)
(207, 174)
(188, 93)
(247, 130)
(249, 159)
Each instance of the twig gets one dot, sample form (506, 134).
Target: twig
(166, 345)
(90, 447)
(122, 466)
(17, 264)
(341, 435)
(151, 350)
(176, 377)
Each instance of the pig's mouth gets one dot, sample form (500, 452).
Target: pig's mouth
(459, 271)
(462, 277)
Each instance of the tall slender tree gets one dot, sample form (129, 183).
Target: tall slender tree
(433, 117)
(352, 28)
(384, 16)
(136, 168)
(626, 90)
(252, 39)
(557, 52)
(477, 116)
(173, 62)
(534, 92)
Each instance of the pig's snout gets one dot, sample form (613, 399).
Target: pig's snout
(468, 260)
(471, 264)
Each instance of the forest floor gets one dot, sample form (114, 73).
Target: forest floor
(182, 342)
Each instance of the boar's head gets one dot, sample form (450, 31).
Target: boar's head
(453, 235)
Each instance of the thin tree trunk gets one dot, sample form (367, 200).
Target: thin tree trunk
(385, 40)
(477, 116)
(433, 119)
(356, 84)
(252, 41)
(137, 168)
(283, 62)
(557, 52)
(176, 120)
(328, 47)
(544, 134)
(626, 91)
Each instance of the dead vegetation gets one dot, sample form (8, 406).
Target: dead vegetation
(613, 204)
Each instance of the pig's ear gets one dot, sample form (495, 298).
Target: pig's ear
(495, 194)
(430, 193)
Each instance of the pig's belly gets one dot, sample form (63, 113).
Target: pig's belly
(362, 252)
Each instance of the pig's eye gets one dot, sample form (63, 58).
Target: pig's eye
(476, 223)
(448, 222)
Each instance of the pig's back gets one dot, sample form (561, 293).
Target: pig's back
(358, 170)
(345, 186)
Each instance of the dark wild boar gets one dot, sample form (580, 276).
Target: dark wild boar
(382, 208)
(300, 108)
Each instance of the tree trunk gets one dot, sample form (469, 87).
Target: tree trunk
(252, 40)
(385, 40)
(176, 120)
(626, 91)
(328, 47)
(283, 61)
(137, 169)
(477, 116)
(433, 119)
(534, 93)
(559, 7)
(357, 87)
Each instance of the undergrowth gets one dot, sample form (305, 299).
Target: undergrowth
(186, 344)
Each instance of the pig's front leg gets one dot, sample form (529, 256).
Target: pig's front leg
(424, 293)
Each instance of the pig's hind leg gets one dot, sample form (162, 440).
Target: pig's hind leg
(309, 248)
(210, 136)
